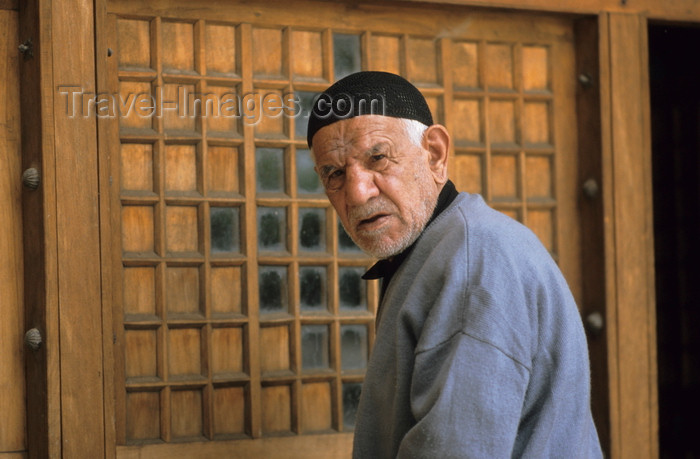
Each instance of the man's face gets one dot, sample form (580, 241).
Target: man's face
(378, 181)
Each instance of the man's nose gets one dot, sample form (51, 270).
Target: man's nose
(359, 186)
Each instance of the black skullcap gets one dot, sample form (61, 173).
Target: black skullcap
(368, 93)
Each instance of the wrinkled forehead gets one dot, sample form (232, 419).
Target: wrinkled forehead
(357, 134)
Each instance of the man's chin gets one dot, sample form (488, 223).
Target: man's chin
(381, 247)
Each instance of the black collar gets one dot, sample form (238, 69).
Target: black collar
(385, 269)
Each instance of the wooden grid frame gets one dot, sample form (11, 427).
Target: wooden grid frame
(522, 145)
(186, 402)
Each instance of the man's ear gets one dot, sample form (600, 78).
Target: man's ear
(436, 140)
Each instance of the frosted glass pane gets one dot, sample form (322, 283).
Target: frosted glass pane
(269, 167)
(312, 229)
(352, 288)
(345, 243)
(312, 288)
(346, 54)
(351, 399)
(353, 347)
(272, 281)
(272, 224)
(305, 101)
(225, 229)
(314, 347)
(307, 179)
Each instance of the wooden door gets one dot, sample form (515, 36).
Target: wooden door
(12, 396)
(241, 326)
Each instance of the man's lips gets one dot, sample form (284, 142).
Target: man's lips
(372, 221)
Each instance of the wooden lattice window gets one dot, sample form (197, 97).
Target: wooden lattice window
(240, 310)
(243, 308)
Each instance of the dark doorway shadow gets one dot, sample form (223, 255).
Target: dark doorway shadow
(674, 62)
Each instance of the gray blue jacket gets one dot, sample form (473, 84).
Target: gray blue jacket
(480, 351)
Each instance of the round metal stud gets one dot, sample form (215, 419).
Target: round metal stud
(595, 323)
(591, 188)
(33, 339)
(31, 178)
(585, 80)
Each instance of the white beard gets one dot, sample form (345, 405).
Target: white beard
(377, 246)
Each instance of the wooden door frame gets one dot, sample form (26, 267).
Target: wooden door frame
(65, 396)
(70, 395)
(628, 230)
(617, 227)
(12, 373)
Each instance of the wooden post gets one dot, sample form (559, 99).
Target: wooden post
(39, 232)
(62, 252)
(627, 195)
(78, 250)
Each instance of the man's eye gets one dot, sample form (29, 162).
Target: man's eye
(334, 180)
(378, 162)
(335, 174)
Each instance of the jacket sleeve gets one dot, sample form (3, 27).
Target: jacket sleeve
(466, 397)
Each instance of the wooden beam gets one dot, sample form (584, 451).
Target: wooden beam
(39, 232)
(9, 5)
(668, 10)
(625, 114)
(314, 447)
(107, 154)
(593, 304)
(77, 231)
(12, 396)
(61, 245)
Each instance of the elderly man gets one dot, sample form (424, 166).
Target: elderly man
(480, 352)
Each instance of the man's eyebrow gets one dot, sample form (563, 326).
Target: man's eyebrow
(326, 170)
(381, 146)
